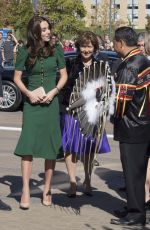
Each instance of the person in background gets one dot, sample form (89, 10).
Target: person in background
(54, 39)
(41, 135)
(147, 184)
(3, 206)
(20, 43)
(16, 48)
(1, 39)
(132, 123)
(100, 42)
(140, 42)
(1, 46)
(8, 49)
(108, 45)
(72, 44)
(66, 46)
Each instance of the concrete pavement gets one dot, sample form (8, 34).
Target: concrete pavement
(85, 213)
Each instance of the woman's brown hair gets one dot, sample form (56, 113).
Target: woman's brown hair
(85, 38)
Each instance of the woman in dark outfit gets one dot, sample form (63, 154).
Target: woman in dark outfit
(86, 44)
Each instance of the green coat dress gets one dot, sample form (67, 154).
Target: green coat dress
(41, 135)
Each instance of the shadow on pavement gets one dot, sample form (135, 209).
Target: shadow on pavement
(60, 180)
(125, 228)
(101, 200)
(15, 184)
(113, 179)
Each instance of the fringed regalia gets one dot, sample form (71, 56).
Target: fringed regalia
(132, 116)
(84, 122)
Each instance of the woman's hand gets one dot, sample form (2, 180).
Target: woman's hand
(49, 96)
(34, 98)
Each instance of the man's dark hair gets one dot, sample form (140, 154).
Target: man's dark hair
(9, 33)
(127, 34)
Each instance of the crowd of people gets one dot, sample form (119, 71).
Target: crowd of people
(69, 45)
(10, 46)
(88, 83)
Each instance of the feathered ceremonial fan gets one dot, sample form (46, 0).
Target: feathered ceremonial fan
(89, 100)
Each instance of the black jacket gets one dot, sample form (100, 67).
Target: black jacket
(74, 68)
(132, 117)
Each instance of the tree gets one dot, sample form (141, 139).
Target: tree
(3, 11)
(119, 23)
(18, 14)
(103, 14)
(148, 23)
(104, 17)
(66, 15)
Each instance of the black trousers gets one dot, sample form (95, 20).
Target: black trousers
(134, 160)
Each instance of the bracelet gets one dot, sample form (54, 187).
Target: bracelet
(58, 90)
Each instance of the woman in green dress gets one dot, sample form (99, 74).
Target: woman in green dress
(40, 136)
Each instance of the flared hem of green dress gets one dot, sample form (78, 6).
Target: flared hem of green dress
(51, 157)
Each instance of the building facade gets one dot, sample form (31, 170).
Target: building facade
(90, 7)
(132, 12)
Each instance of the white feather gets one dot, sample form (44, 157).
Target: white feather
(112, 97)
(90, 90)
(93, 108)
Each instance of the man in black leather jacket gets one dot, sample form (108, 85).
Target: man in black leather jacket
(132, 122)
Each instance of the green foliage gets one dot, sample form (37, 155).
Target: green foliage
(18, 14)
(66, 15)
(148, 23)
(3, 13)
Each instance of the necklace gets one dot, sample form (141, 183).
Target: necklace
(87, 64)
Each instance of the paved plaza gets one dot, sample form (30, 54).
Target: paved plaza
(80, 213)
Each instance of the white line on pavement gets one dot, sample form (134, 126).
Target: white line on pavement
(10, 128)
(19, 129)
(110, 135)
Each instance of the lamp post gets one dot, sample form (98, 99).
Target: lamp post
(132, 13)
(35, 5)
(114, 10)
(110, 19)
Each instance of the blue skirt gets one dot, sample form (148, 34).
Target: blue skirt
(74, 141)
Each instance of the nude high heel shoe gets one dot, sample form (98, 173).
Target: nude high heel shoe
(24, 205)
(46, 202)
